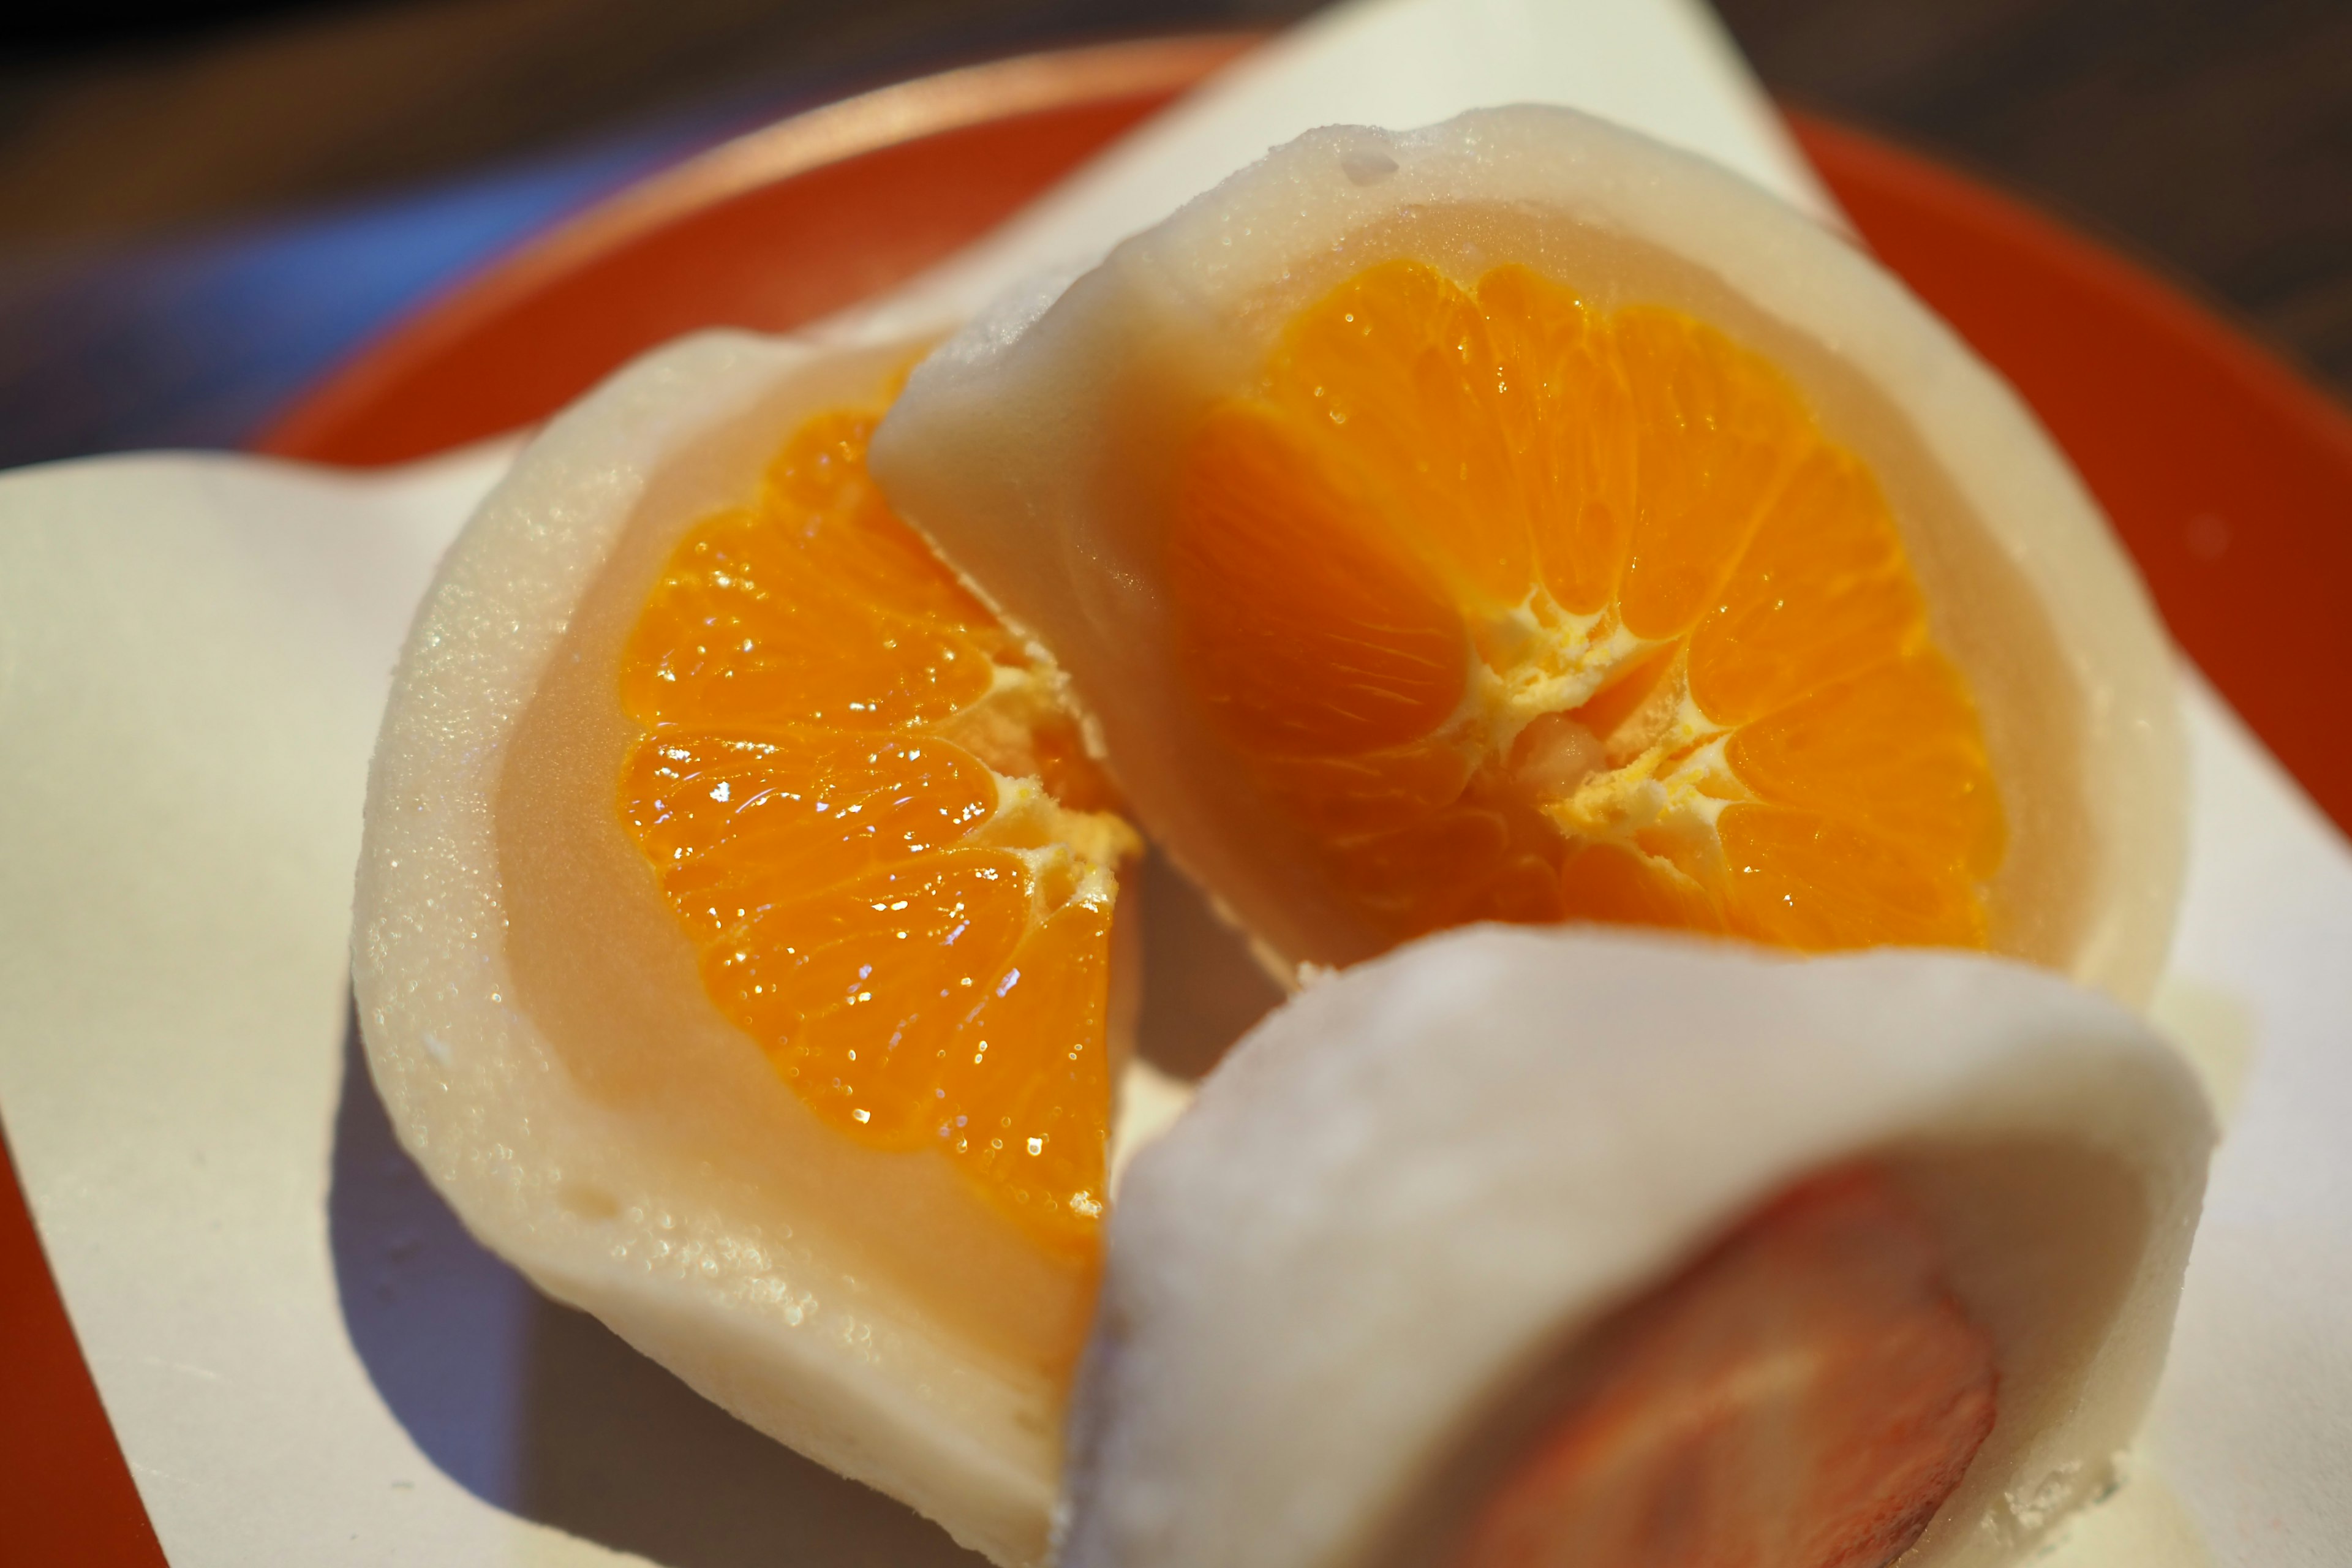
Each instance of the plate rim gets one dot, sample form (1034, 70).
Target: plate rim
(799, 142)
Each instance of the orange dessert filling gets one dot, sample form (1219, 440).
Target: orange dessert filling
(865, 803)
(1519, 609)
(1806, 1397)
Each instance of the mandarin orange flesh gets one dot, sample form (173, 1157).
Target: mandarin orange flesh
(867, 808)
(1806, 1397)
(1514, 609)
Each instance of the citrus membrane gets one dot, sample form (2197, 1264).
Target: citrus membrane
(1526, 610)
(1519, 518)
(864, 801)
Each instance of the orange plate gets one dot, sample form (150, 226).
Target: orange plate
(2229, 477)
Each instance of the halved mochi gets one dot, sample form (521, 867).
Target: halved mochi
(734, 943)
(1521, 519)
(1530, 1247)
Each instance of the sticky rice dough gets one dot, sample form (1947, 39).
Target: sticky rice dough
(1402, 1270)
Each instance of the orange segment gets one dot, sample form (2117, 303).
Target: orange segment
(1715, 431)
(741, 623)
(1889, 751)
(1808, 879)
(863, 805)
(1281, 594)
(1821, 591)
(1348, 797)
(1621, 885)
(732, 819)
(1032, 1053)
(1806, 1396)
(1398, 378)
(1566, 408)
(856, 990)
(1479, 583)
(838, 522)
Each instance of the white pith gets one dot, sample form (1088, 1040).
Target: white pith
(1058, 846)
(1554, 661)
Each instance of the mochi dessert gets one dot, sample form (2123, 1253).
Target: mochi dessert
(1521, 1247)
(1521, 519)
(1514, 520)
(735, 931)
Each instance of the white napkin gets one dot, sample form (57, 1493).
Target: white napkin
(304, 1358)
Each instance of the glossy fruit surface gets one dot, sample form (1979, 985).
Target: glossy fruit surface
(855, 786)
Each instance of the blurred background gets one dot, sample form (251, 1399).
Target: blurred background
(205, 203)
